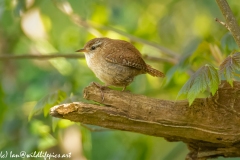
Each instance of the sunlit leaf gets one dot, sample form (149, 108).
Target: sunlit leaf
(47, 102)
(206, 77)
(201, 55)
(229, 66)
(216, 52)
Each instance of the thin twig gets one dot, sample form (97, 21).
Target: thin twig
(222, 23)
(230, 20)
(71, 56)
(66, 8)
(93, 29)
(158, 59)
(39, 57)
(140, 40)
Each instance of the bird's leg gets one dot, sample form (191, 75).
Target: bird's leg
(101, 89)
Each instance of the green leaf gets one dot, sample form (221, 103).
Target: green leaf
(206, 77)
(47, 102)
(201, 55)
(229, 66)
(228, 43)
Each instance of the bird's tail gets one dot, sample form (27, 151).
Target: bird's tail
(154, 72)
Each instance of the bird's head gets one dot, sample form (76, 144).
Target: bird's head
(93, 45)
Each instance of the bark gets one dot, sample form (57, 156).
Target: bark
(210, 127)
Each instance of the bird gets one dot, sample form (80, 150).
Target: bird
(116, 62)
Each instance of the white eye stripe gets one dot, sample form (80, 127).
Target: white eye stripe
(98, 43)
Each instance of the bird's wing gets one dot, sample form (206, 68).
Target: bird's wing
(124, 53)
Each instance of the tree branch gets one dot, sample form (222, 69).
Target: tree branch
(207, 127)
(39, 57)
(222, 23)
(73, 56)
(231, 22)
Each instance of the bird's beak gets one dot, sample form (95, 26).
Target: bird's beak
(81, 50)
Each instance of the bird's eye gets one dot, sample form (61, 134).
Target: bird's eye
(93, 48)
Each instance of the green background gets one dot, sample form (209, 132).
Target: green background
(46, 27)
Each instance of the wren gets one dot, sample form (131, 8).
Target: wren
(116, 62)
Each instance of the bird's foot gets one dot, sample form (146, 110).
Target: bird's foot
(101, 89)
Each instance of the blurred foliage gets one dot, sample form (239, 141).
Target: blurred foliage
(58, 26)
(47, 102)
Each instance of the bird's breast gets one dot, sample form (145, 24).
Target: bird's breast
(111, 73)
(89, 58)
